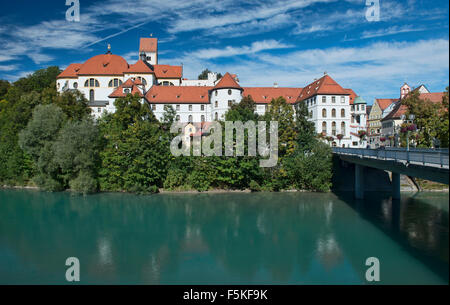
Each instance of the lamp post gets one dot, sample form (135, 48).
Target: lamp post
(411, 118)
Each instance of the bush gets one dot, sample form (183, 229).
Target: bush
(84, 184)
(175, 178)
(254, 186)
(47, 183)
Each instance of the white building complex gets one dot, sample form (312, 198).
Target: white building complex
(336, 112)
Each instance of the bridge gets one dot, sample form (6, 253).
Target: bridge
(426, 164)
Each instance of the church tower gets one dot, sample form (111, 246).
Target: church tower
(148, 50)
(404, 90)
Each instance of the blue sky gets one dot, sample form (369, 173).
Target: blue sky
(288, 42)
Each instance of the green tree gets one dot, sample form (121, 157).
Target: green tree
(305, 128)
(76, 151)
(37, 140)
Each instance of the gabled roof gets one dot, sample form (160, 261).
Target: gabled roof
(70, 72)
(227, 82)
(264, 95)
(396, 113)
(105, 64)
(178, 94)
(166, 71)
(324, 85)
(435, 97)
(139, 67)
(148, 45)
(383, 103)
(129, 84)
(353, 95)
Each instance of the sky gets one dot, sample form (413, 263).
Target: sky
(264, 42)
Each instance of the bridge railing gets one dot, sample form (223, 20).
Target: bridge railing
(425, 157)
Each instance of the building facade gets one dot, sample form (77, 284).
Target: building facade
(337, 113)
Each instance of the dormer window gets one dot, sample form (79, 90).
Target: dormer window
(126, 90)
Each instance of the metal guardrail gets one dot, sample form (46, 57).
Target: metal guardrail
(424, 157)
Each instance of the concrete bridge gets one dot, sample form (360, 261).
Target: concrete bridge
(426, 164)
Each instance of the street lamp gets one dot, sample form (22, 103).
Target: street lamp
(411, 118)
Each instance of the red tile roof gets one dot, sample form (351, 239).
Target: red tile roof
(128, 84)
(178, 94)
(264, 95)
(385, 102)
(166, 71)
(105, 64)
(353, 95)
(396, 113)
(324, 85)
(139, 67)
(435, 97)
(227, 82)
(70, 72)
(148, 45)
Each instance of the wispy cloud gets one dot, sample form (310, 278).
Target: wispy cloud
(228, 51)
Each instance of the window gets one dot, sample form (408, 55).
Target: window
(333, 113)
(343, 128)
(324, 113)
(178, 107)
(216, 93)
(143, 81)
(153, 107)
(353, 119)
(203, 118)
(333, 99)
(342, 99)
(91, 95)
(311, 114)
(333, 128)
(190, 119)
(324, 127)
(202, 107)
(358, 119)
(216, 116)
(75, 85)
(230, 103)
(355, 143)
(229, 92)
(126, 90)
(353, 107)
(99, 110)
(190, 107)
(342, 113)
(216, 104)
(92, 83)
(324, 99)
(177, 118)
(363, 107)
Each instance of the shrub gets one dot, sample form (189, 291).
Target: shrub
(84, 184)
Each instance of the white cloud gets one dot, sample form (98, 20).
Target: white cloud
(229, 51)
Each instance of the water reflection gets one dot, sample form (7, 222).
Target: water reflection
(225, 238)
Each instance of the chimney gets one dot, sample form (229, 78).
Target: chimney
(275, 85)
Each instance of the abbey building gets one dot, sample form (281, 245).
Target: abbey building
(338, 113)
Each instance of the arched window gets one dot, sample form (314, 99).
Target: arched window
(216, 104)
(342, 113)
(75, 85)
(143, 81)
(190, 119)
(333, 113)
(343, 128)
(216, 116)
(127, 90)
(324, 113)
(324, 127)
(333, 128)
(229, 92)
(91, 95)
(92, 82)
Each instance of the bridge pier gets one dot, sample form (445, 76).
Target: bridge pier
(359, 181)
(395, 186)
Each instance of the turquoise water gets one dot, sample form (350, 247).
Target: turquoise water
(264, 238)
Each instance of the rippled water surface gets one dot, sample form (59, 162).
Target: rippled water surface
(264, 238)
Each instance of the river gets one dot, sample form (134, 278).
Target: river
(231, 238)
